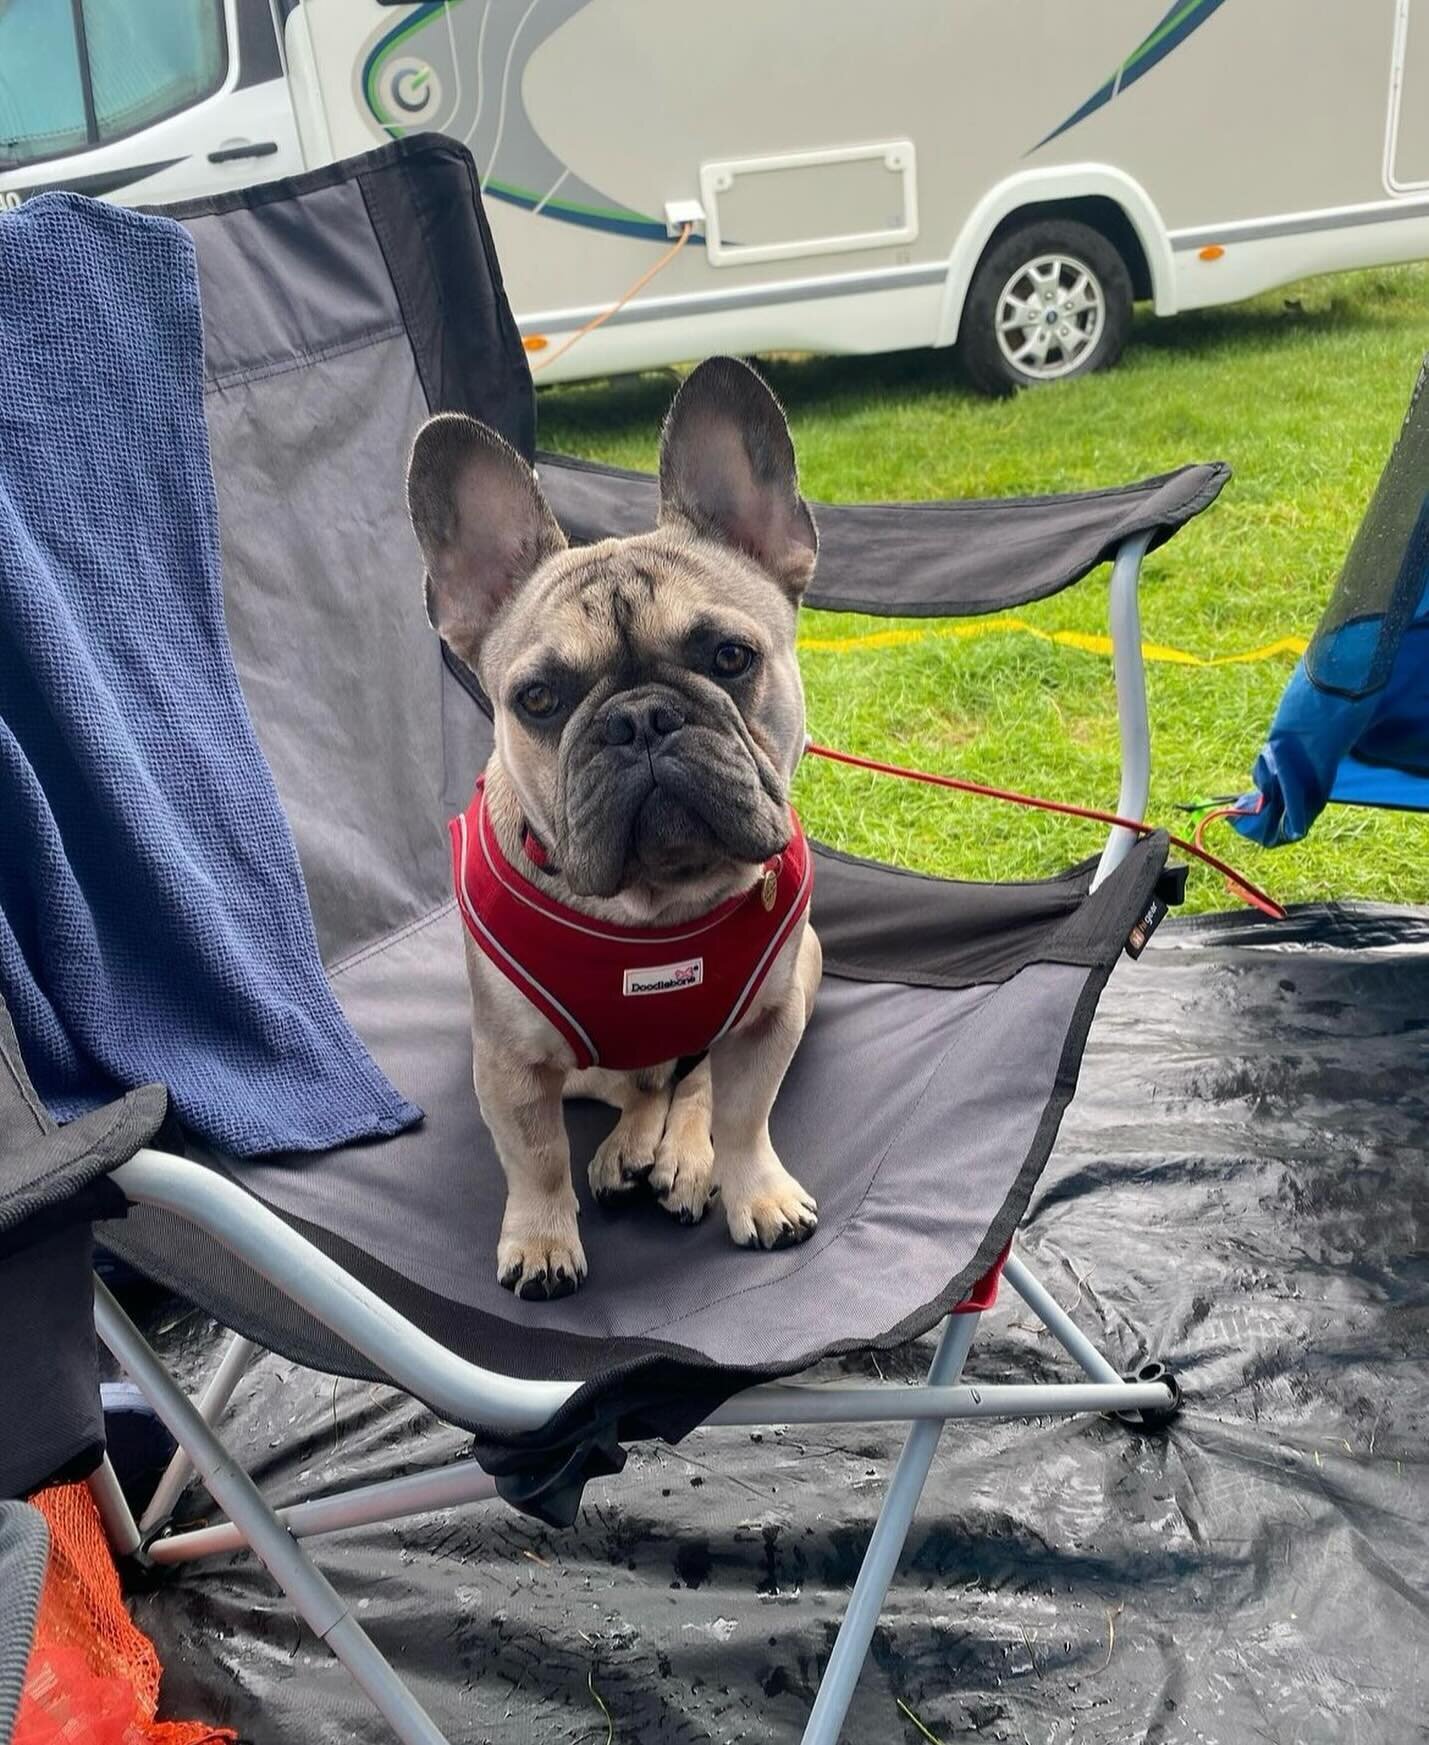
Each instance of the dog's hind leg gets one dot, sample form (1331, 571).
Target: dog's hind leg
(628, 1154)
(684, 1158)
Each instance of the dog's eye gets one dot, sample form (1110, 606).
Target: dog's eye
(538, 701)
(733, 658)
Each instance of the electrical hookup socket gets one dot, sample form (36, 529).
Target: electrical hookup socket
(679, 213)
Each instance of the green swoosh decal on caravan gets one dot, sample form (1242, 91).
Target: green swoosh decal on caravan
(1183, 20)
(466, 82)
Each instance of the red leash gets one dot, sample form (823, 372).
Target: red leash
(1242, 887)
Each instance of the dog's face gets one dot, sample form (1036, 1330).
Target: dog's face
(646, 690)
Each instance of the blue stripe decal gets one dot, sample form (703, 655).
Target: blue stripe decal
(646, 229)
(1141, 60)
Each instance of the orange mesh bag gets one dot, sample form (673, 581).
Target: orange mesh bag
(93, 1677)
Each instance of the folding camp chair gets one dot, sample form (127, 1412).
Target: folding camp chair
(339, 309)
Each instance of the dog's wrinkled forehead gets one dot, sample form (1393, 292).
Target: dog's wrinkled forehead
(732, 528)
(627, 605)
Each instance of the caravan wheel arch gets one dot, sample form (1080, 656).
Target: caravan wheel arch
(1071, 190)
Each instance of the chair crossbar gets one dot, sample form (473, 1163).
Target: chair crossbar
(465, 1481)
(895, 1404)
(449, 1487)
(238, 1354)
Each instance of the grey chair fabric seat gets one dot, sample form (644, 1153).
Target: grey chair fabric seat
(920, 1116)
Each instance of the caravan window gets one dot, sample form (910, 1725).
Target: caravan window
(42, 112)
(149, 61)
(77, 73)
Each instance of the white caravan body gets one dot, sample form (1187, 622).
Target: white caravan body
(843, 169)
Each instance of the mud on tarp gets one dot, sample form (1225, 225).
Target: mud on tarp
(1239, 1187)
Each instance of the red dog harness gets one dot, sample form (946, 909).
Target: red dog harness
(627, 997)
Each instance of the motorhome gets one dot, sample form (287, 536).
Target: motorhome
(1007, 176)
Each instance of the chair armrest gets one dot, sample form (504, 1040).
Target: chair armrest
(924, 560)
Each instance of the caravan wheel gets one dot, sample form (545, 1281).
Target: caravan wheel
(1048, 301)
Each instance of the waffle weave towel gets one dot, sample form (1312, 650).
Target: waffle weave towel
(153, 919)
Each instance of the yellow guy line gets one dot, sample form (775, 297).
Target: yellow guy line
(1152, 651)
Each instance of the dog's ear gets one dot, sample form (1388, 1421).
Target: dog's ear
(481, 522)
(727, 467)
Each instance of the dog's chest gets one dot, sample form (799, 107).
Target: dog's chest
(627, 998)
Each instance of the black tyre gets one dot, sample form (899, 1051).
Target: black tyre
(1050, 300)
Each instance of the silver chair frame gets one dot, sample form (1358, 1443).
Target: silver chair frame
(467, 1392)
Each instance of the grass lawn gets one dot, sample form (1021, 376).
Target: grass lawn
(1302, 392)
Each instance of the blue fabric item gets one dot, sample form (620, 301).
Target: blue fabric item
(153, 919)
(1323, 748)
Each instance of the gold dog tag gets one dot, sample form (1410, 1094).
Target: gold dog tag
(769, 889)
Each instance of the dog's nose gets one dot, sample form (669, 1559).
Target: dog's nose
(652, 719)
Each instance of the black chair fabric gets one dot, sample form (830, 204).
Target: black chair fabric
(922, 560)
(53, 1181)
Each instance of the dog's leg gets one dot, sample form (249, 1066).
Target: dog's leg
(628, 1153)
(540, 1253)
(765, 1206)
(684, 1158)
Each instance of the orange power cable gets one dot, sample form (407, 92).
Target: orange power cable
(598, 320)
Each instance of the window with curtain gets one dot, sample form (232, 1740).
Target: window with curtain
(150, 60)
(41, 88)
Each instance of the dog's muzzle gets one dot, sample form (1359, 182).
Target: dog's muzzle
(655, 787)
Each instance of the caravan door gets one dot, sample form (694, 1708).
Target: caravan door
(1406, 167)
(141, 103)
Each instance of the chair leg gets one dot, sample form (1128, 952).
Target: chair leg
(235, 1359)
(119, 1528)
(325, 1612)
(1057, 1321)
(836, 1688)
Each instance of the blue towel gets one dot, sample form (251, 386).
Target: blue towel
(153, 919)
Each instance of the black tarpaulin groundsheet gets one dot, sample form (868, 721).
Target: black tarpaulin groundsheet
(1239, 1187)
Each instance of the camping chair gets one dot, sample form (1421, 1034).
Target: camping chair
(1352, 727)
(340, 308)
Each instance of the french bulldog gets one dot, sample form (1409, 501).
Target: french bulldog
(649, 717)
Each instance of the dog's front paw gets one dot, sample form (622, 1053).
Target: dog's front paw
(684, 1164)
(770, 1210)
(539, 1255)
(622, 1161)
(627, 1154)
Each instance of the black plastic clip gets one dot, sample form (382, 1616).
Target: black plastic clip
(1152, 1417)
